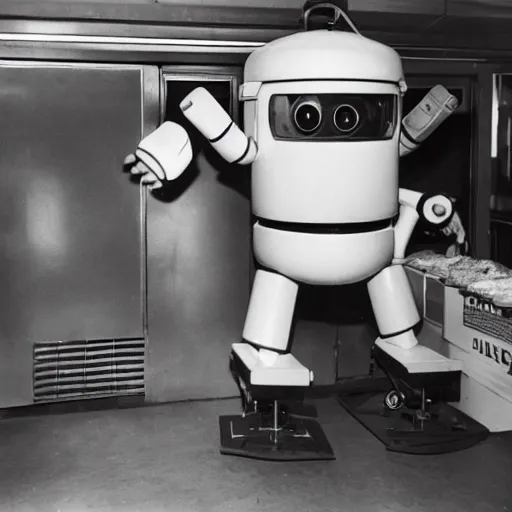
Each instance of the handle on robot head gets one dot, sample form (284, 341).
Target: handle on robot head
(426, 117)
(214, 123)
(339, 9)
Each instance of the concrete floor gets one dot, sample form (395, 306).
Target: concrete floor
(166, 458)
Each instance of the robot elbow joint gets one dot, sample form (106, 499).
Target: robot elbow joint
(233, 145)
(436, 210)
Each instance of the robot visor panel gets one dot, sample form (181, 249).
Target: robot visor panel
(333, 117)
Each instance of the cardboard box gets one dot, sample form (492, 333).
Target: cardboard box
(487, 358)
(468, 331)
(476, 400)
(428, 292)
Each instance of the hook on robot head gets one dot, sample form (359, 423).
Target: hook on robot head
(328, 13)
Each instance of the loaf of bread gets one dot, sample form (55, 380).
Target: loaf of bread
(434, 264)
(482, 278)
(497, 291)
(469, 271)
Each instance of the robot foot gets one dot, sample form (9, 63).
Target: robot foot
(405, 420)
(408, 410)
(271, 433)
(413, 358)
(275, 424)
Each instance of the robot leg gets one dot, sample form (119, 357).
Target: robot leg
(420, 382)
(263, 355)
(418, 374)
(394, 306)
(272, 382)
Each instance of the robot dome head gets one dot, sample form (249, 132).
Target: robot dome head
(324, 55)
(311, 75)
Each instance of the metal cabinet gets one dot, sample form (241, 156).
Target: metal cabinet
(71, 258)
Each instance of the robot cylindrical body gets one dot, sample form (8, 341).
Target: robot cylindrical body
(324, 108)
(327, 182)
(321, 258)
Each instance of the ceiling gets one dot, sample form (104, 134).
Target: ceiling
(466, 25)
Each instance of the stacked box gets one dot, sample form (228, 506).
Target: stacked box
(480, 331)
(484, 335)
(477, 333)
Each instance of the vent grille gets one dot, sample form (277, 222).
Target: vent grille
(71, 370)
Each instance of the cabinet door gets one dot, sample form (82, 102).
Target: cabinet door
(502, 141)
(501, 199)
(199, 253)
(70, 258)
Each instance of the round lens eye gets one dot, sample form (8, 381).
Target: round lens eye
(307, 117)
(346, 118)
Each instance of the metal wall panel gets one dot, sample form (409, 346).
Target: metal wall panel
(70, 258)
(198, 253)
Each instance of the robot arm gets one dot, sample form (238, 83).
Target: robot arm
(214, 123)
(419, 124)
(425, 118)
(165, 154)
(162, 156)
(436, 210)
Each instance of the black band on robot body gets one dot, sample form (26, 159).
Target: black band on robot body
(244, 154)
(421, 205)
(222, 135)
(327, 229)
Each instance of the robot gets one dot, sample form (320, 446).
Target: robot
(324, 134)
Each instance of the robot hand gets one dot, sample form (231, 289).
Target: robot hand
(455, 228)
(138, 168)
(426, 117)
(162, 156)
